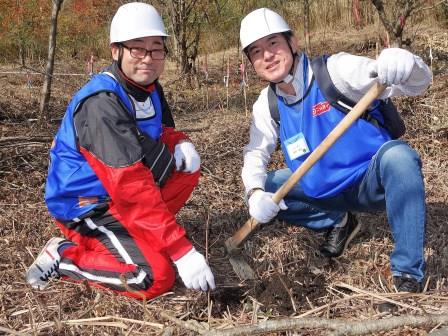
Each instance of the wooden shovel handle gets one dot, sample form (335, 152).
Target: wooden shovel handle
(374, 92)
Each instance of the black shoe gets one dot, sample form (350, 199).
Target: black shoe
(338, 238)
(403, 283)
(406, 283)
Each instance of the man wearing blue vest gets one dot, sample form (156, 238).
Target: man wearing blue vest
(365, 170)
(120, 172)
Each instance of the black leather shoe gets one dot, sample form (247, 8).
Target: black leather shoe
(403, 283)
(338, 238)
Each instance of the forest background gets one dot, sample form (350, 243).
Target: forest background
(295, 289)
(198, 27)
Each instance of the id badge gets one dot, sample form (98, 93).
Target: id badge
(296, 146)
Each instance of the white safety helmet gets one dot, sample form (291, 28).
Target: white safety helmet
(261, 23)
(135, 20)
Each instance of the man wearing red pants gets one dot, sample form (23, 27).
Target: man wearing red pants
(119, 173)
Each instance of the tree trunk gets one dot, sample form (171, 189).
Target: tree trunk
(186, 18)
(306, 25)
(22, 54)
(395, 25)
(46, 88)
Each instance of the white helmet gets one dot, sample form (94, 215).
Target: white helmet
(261, 23)
(134, 20)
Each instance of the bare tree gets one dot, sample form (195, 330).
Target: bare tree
(46, 88)
(186, 18)
(306, 25)
(394, 19)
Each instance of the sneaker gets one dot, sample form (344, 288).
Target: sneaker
(403, 283)
(338, 238)
(46, 264)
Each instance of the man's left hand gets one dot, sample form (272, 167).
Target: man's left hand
(393, 66)
(187, 158)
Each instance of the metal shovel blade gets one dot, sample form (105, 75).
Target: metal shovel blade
(241, 268)
(233, 246)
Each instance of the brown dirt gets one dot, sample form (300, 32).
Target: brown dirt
(292, 278)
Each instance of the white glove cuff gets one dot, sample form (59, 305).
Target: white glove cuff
(251, 192)
(185, 256)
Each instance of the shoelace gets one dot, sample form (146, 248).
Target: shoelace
(52, 271)
(333, 234)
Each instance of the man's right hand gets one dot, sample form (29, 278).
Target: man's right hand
(262, 207)
(187, 158)
(194, 271)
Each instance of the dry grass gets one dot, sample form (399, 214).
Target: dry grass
(292, 280)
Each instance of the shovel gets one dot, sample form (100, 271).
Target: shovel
(240, 266)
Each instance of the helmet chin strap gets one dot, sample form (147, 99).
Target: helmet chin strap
(120, 55)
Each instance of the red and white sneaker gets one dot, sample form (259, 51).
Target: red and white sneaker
(46, 264)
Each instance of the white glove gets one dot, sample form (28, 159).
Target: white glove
(187, 159)
(393, 66)
(262, 207)
(194, 271)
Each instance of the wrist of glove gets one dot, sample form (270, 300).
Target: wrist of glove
(393, 66)
(194, 271)
(186, 157)
(262, 207)
(157, 157)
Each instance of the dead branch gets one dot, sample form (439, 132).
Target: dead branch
(431, 7)
(211, 174)
(184, 324)
(9, 331)
(338, 326)
(288, 290)
(368, 327)
(19, 139)
(439, 332)
(377, 296)
(109, 321)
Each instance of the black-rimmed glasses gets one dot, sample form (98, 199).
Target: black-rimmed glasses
(140, 53)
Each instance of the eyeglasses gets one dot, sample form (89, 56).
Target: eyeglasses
(140, 53)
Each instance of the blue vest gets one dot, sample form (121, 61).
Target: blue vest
(72, 187)
(347, 160)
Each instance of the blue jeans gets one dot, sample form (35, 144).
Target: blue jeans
(392, 182)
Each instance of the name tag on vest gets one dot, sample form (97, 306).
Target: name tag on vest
(296, 146)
